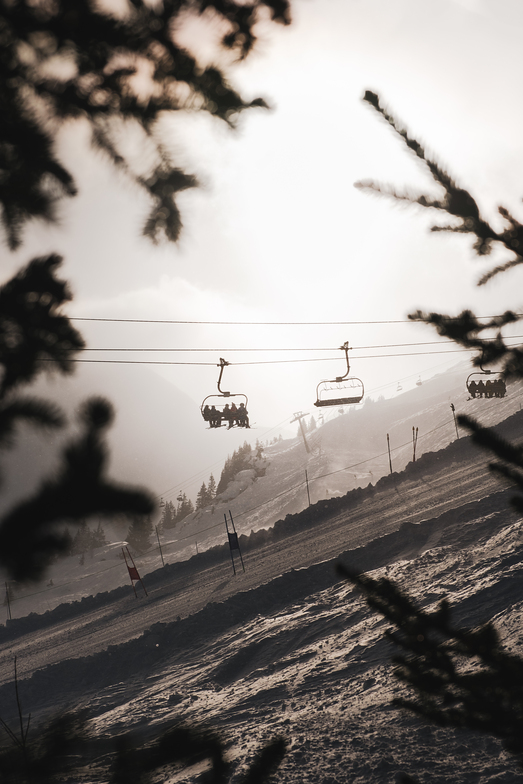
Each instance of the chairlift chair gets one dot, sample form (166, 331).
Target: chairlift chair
(494, 386)
(219, 402)
(341, 391)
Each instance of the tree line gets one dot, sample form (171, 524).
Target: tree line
(86, 539)
(241, 459)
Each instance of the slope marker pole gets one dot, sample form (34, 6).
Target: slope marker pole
(159, 545)
(8, 599)
(133, 572)
(229, 538)
(414, 442)
(307, 482)
(236, 540)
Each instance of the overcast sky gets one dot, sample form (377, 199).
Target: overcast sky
(277, 232)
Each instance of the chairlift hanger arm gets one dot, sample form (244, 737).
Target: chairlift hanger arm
(345, 348)
(222, 365)
(483, 370)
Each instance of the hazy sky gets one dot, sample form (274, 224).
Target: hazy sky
(277, 232)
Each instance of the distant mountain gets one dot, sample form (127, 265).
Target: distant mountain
(158, 439)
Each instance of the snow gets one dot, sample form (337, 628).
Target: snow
(286, 648)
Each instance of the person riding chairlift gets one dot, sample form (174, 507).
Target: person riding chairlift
(226, 414)
(215, 417)
(233, 416)
(243, 418)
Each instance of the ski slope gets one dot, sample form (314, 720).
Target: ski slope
(286, 648)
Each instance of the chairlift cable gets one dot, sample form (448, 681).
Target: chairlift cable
(262, 362)
(278, 348)
(258, 323)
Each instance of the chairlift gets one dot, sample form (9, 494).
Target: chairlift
(341, 391)
(494, 386)
(215, 409)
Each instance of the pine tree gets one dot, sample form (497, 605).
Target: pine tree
(460, 677)
(98, 537)
(140, 533)
(240, 459)
(82, 539)
(168, 516)
(159, 526)
(185, 507)
(211, 488)
(202, 497)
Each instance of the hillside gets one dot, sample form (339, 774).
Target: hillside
(286, 648)
(347, 451)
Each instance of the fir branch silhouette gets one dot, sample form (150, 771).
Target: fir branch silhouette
(511, 467)
(457, 202)
(40, 413)
(460, 677)
(102, 53)
(465, 330)
(29, 537)
(35, 336)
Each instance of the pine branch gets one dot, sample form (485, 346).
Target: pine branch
(457, 202)
(34, 335)
(465, 330)
(460, 677)
(390, 191)
(512, 456)
(102, 54)
(31, 410)
(508, 265)
(28, 533)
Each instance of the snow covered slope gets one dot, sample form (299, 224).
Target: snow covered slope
(349, 450)
(286, 648)
(346, 452)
